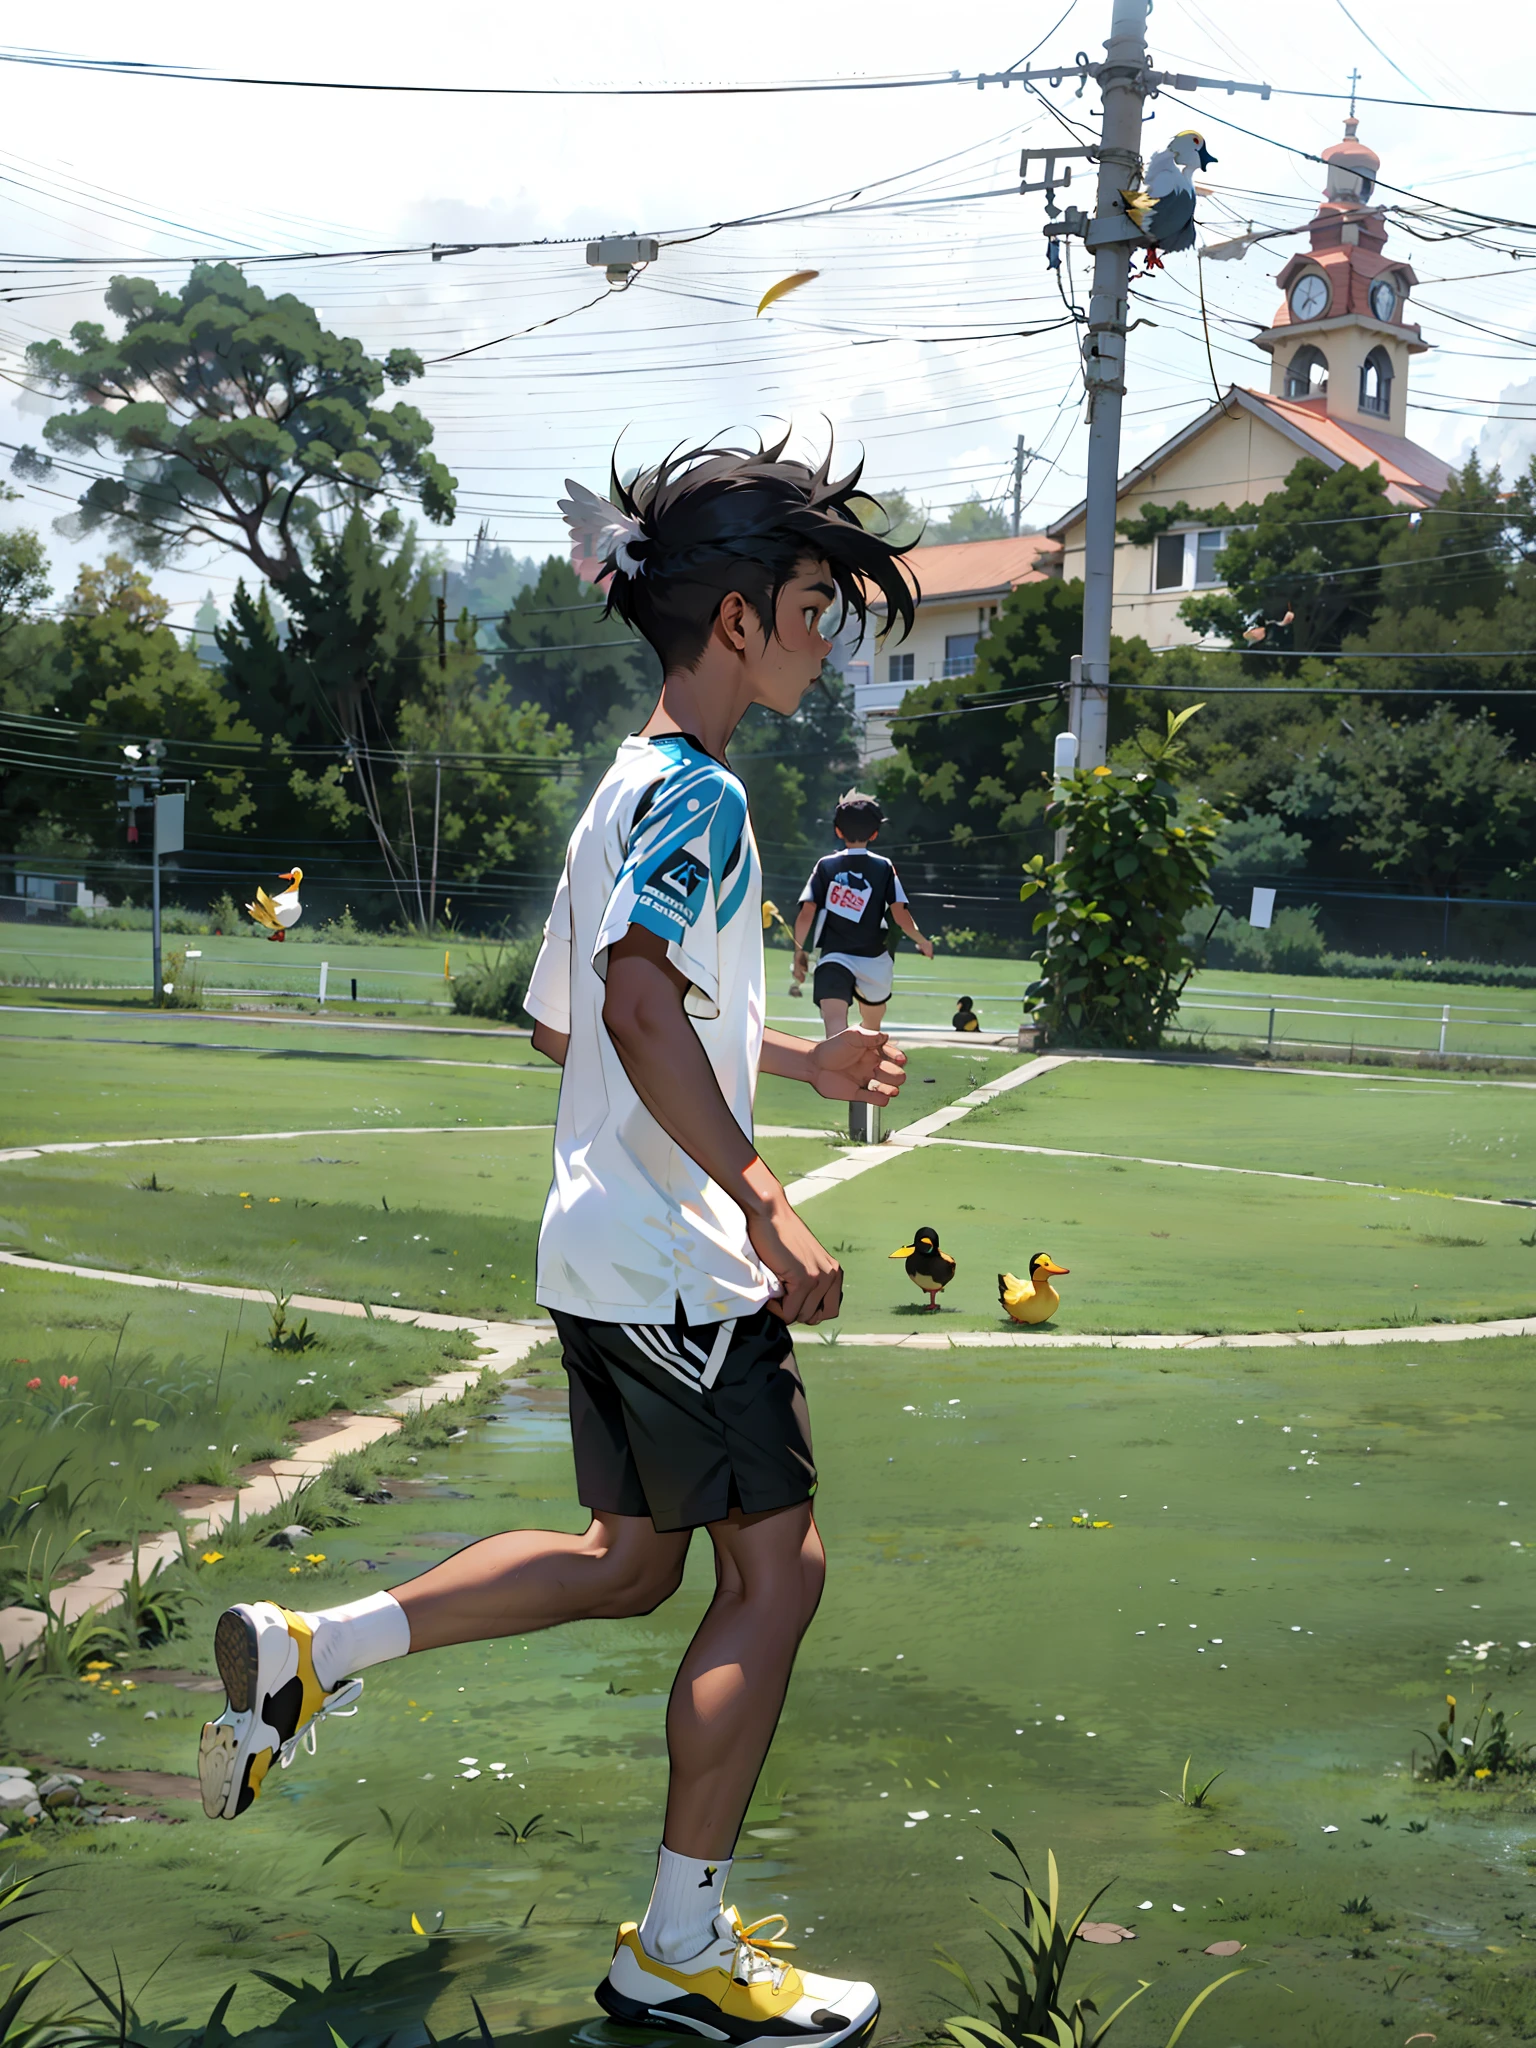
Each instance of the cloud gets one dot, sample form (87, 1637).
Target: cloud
(1509, 438)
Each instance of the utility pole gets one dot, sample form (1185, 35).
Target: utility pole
(1111, 234)
(1124, 81)
(1018, 482)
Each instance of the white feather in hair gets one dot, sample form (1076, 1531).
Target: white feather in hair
(600, 532)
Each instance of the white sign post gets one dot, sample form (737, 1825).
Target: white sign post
(1261, 914)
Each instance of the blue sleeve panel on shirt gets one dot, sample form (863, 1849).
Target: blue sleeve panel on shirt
(681, 853)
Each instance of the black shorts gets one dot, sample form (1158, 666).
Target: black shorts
(683, 1424)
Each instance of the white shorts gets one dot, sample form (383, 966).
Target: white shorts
(870, 976)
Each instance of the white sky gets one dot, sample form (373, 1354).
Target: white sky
(145, 174)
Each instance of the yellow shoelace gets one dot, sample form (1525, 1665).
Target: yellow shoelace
(754, 1949)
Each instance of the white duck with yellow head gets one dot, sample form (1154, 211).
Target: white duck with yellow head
(278, 914)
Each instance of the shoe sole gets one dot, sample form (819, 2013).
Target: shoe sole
(236, 1652)
(713, 2025)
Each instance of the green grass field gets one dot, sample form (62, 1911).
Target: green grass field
(1298, 1542)
(1297, 1545)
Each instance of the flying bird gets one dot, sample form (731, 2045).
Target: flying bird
(1163, 205)
(277, 913)
(927, 1267)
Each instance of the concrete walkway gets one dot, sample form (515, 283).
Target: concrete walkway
(503, 1347)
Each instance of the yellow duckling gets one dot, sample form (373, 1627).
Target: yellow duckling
(927, 1266)
(1033, 1300)
(277, 913)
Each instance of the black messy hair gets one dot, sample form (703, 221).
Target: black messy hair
(714, 520)
(858, 816)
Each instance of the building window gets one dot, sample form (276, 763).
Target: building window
(1306, 374)
(1376, 383)
(1187, 561)
(1168, 562)
(898, 668)
(1207, 547)
(960, 653)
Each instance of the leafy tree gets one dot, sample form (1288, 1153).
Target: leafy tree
(564, 657)
(488, 772)
(1138, 862)
(978, 781)
(486, 585)
(134, 676)
(23, 574)
(1438, 804)
(900, 517)
(795, 769)
(230, 417)
(1257, 848)
(970, 521)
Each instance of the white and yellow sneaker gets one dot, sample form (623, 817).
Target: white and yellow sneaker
(736, 1990)
(273, 1703)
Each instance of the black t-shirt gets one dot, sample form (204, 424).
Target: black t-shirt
(852, 892)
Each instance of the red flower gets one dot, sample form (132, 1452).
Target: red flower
(33, 1385)
(65, 1380)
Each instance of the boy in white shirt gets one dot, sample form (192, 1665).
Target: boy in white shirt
(669, 1257)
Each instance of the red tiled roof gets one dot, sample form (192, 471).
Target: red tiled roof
(968, 568)
(1411, 473)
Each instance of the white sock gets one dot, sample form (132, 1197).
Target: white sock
(349, 1639)
(681, 1916)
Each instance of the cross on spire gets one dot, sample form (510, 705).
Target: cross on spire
(1354, 80)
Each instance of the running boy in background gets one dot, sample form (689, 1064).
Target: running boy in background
(847, 900)
(669, 1255)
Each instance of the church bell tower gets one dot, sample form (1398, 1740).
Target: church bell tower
(1341, 339)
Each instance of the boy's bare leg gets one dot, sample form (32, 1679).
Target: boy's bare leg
(834, 1015)
(871, 1013)
(537, 1578)
(729, 1690)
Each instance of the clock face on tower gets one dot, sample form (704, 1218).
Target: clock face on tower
(1309, 296)
(1383, 298)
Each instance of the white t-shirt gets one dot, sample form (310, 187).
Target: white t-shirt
(632, 1225)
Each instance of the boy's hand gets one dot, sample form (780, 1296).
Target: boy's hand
(925, 947)
(810, 1278)
(857, 1066)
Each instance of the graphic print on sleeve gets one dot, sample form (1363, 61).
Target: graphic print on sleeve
(684, 876)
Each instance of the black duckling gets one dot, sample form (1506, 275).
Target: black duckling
(927, 1267)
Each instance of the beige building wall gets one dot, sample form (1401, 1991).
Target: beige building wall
(1237, 458)
(937, 619)
(1345, 344)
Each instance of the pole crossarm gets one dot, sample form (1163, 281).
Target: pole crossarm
(1084, 68)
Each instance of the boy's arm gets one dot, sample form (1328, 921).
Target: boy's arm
(551, 1043)
(901, 916)
(660, 1051)
(855, 1066)
(805, 917)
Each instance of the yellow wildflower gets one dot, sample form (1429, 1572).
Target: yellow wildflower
(293, 1568)
(213, 1556)
(99, 1664)
(91, 1678)
(1482, 1774)
(315, 1557)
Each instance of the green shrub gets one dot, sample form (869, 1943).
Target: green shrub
(1137, 865)
(1383, 967)
(494, 985)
